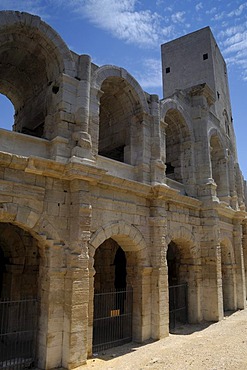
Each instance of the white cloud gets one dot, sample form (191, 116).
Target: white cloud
(178, 17)
(151, 75)
(199, 6)
(211, 11)
(121, 19)
(237, 12)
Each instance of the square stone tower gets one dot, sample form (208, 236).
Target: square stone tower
(195, 59)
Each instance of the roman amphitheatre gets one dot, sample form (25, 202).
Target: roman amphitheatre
(122, 215)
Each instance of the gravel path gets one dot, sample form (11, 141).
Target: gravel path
(219, 346)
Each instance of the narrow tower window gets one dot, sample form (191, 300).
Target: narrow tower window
(205, 56)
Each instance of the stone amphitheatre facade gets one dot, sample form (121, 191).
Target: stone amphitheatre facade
(104, 186)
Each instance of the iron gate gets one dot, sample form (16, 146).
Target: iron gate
(18, 323)
(178, 305)
(112, 324)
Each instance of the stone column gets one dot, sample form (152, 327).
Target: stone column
(76, 312)
(245, 250)
(212, 296)
(240, 273)
(202, 98)
(81, 135)
(157, 157)
(50, 335)
(141, 303)
(75, 344)
(159, 290)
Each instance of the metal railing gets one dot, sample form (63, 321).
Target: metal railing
(112, 325)
(178, 305)
(18, 324)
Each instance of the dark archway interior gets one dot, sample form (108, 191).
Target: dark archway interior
(110, 267)
(118, 104)
(173, 260)
(19, 263)
(120, 270)
(2, 270)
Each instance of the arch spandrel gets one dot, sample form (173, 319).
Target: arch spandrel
(108, 71)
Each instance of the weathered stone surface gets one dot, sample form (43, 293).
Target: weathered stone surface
(103, 187)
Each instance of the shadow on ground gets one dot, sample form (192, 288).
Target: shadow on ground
(114, 352)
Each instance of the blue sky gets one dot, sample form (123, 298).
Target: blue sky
(128, 33)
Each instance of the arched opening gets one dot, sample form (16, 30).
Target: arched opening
(219, 168)
(183, 273)
(118, 106)
(178, 147)
(19, 264)
(177, 283)
(112, 296)
(7, 113)
(228, 278)
(30, 66)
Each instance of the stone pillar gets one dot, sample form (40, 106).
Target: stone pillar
(50, 335)
(93, 128)
(75, 344)
(76, 312)
(157, 158)
(141, 304)
(240, 273)
(138, 152)
(245, 250)
(223, 191)
(81, 136)
(202, 98)
(194, 293)
(140, 279)
(159, 291)
(212, 296)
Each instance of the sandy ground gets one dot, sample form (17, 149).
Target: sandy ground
(216, 346)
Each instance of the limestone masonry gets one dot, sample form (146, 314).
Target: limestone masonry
(104, 187)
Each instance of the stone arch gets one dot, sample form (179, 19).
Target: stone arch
(219, 164)
(185, 236)
(185, 260)
(172, 104)
(123, 233)
(33, 57)
(107, 71)
(33, 260)
(28, 219)
(121, 109)
(107, 239)
(178, 156)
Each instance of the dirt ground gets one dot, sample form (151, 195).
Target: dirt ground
(215, 346)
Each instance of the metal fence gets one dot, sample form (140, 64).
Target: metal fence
(112, 325)
(18, 324)
(178, 305)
